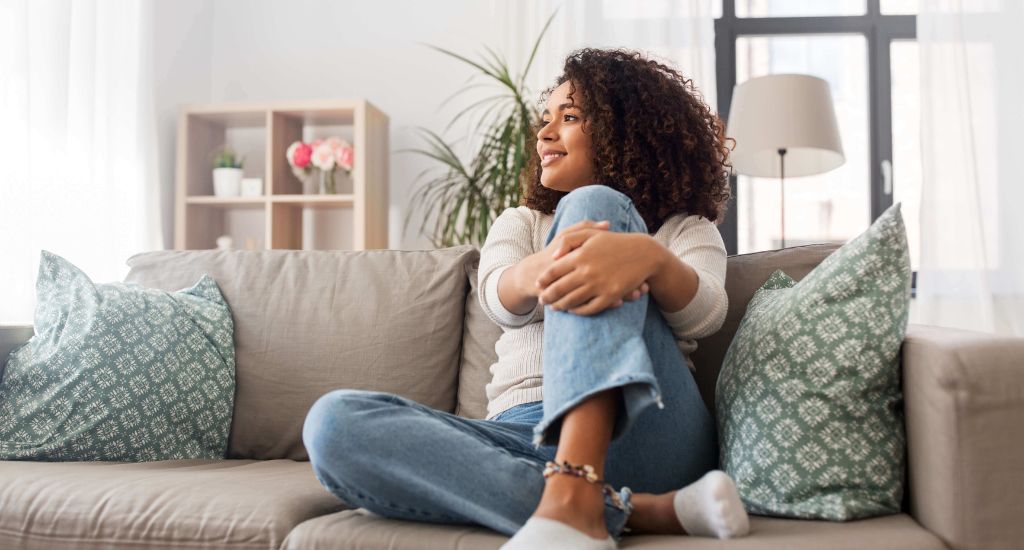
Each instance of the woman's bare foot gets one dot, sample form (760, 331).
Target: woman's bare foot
(574, 502)
(654, 514)
(709, 507)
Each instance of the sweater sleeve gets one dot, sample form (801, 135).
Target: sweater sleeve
(509, 240)
(698, 243)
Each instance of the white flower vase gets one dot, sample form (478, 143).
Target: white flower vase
(327, 182)
(309, 179)
(227, 182)
(310, 184)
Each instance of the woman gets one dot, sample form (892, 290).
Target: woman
(600, 281)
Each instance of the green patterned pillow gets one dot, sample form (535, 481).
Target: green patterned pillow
(809, 405)
(119, 372)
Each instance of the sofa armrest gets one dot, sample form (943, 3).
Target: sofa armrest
(12, 336)
(964, 402)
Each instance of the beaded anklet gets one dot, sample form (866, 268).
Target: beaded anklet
(585, 471)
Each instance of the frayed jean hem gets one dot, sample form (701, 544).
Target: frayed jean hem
(638, 393)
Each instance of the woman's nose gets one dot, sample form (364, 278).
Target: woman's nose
(545, 133)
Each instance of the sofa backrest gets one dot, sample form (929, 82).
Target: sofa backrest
(479, 335)
(745, 274)
(307, 322)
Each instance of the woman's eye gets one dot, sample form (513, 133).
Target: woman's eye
(565, 118)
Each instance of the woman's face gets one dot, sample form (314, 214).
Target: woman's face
(567, 161)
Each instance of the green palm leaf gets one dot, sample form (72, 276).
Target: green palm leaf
(461, 199)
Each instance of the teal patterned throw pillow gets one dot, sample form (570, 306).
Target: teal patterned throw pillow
(809, 405)
(119, 372)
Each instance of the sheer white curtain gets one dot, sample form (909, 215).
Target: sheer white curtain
(77, 142)
(681, 32)
(972, 137)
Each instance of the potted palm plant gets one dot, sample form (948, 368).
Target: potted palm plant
(463, 198)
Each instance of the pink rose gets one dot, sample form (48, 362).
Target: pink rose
(334, 143)
(344, 157)
(323, 157)
(301, 156)
(290, 152)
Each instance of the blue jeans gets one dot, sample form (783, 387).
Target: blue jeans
(400, 459)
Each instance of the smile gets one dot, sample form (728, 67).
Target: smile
(550, 157)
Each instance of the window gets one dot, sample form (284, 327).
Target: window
(866, 51)
(900, 7)
(906, 143)
(798, 8)
(830, 207)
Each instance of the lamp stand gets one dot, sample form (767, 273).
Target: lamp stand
(782, 181)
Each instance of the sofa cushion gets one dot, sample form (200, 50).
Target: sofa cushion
(171, 504)
(119, 372)
(810, 421)
(366, 531)
(478, 354)
(307, 322)
(363, 530)
(744, 274)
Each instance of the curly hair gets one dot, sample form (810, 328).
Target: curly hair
(654, 139)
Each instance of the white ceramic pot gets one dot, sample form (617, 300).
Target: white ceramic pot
(227, 182)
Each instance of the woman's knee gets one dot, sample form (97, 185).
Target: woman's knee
(328, 431)
(592, 195)
(599, 202)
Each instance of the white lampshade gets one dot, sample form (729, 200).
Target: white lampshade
(790, 111)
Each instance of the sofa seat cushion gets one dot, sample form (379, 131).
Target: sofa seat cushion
(894, 532)
(168, 504)
(366, 531)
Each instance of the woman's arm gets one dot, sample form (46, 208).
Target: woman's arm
(674, 282)
(517, 296)
(508, 242)
(593, 274)
(698, 245)
(685, 278)
(517, 287)
(508, 268)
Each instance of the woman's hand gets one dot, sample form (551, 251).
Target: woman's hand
(566, 240)
(530, 268)
(596, 271)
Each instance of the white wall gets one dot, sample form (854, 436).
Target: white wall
(227, 50)
(183, 43)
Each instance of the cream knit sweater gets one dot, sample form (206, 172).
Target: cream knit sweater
(521, 231)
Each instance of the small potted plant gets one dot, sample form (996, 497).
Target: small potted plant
(227, 173)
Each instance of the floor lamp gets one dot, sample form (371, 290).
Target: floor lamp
(784, 125)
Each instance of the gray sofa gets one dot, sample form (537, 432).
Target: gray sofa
(409, 322)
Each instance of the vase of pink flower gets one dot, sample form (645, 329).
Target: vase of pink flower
(315, 163)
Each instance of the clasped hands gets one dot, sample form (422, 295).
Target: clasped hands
(586, 269)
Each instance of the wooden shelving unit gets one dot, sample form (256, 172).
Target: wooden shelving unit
(262, 132)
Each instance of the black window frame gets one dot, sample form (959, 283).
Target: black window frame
(879, 30)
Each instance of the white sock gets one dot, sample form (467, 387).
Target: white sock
(711, 507)
(540, 532)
